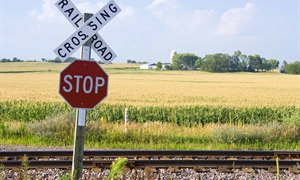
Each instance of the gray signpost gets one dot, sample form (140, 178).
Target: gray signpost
(78, 148)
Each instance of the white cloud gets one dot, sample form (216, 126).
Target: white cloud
(233, 20)
(200, 19)
(87, 7)
(159, 7)
(165, 3)
(35, 29)
(32, 13)
(248, 39)
(49, 10)
(127, 12)
(101, 4)
(180, 20)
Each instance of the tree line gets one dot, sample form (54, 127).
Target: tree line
(15, 59)
(238, 62)
(55, 60)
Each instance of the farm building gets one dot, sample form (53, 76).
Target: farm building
(148, 66)
(173, 52)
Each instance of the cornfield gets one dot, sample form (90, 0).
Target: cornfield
(29, 92)
(181, 115)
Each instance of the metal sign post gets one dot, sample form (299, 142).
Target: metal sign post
(80, 118)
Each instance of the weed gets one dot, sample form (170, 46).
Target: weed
(2, 172)
(148, 173)
(24, 168)
(277, 168)
(117, 168)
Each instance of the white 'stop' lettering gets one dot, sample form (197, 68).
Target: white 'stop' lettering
(87, 84)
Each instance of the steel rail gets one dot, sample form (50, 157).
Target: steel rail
(137, 154)
(89, 164)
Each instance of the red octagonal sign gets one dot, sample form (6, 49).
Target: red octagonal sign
(83, 84)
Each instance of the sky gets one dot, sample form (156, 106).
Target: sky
(148, 30)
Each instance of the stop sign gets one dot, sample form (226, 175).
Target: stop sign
(83, 84)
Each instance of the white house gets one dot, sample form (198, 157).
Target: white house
(148, 66)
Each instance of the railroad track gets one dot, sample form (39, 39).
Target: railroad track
(199, 160)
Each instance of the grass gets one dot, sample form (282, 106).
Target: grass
(59, 131)
(117, 168)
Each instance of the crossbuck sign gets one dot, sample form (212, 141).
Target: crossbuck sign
(87, 30)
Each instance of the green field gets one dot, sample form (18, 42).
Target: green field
(168, 109)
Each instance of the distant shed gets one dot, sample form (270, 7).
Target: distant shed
(148, 66)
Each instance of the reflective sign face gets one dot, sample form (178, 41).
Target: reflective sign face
(83, 84)
(88, 30)
(73, 15)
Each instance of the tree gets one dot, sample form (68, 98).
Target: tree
(216, 63)
(255, 62)
(184, 61)
(15, 59)
(266, 65)
(176, 63)
(293, 68)
(245, 63)
(234, 63)
(69, 59)
(159, 65)
(274, 63)
(56, 60)
(199, 62)
(237, 53)
(5, 60)
(284, 64)
(168, 67)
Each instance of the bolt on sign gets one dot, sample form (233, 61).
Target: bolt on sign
(87, 30)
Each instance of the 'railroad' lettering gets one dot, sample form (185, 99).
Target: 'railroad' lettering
(76, 23)
(63, 3)
(113, 8)
(69, 11)
(108, 56)
(100, 46)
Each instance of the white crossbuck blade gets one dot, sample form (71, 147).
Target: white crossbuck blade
(87, 30)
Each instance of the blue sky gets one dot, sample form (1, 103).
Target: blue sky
(148, 30)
